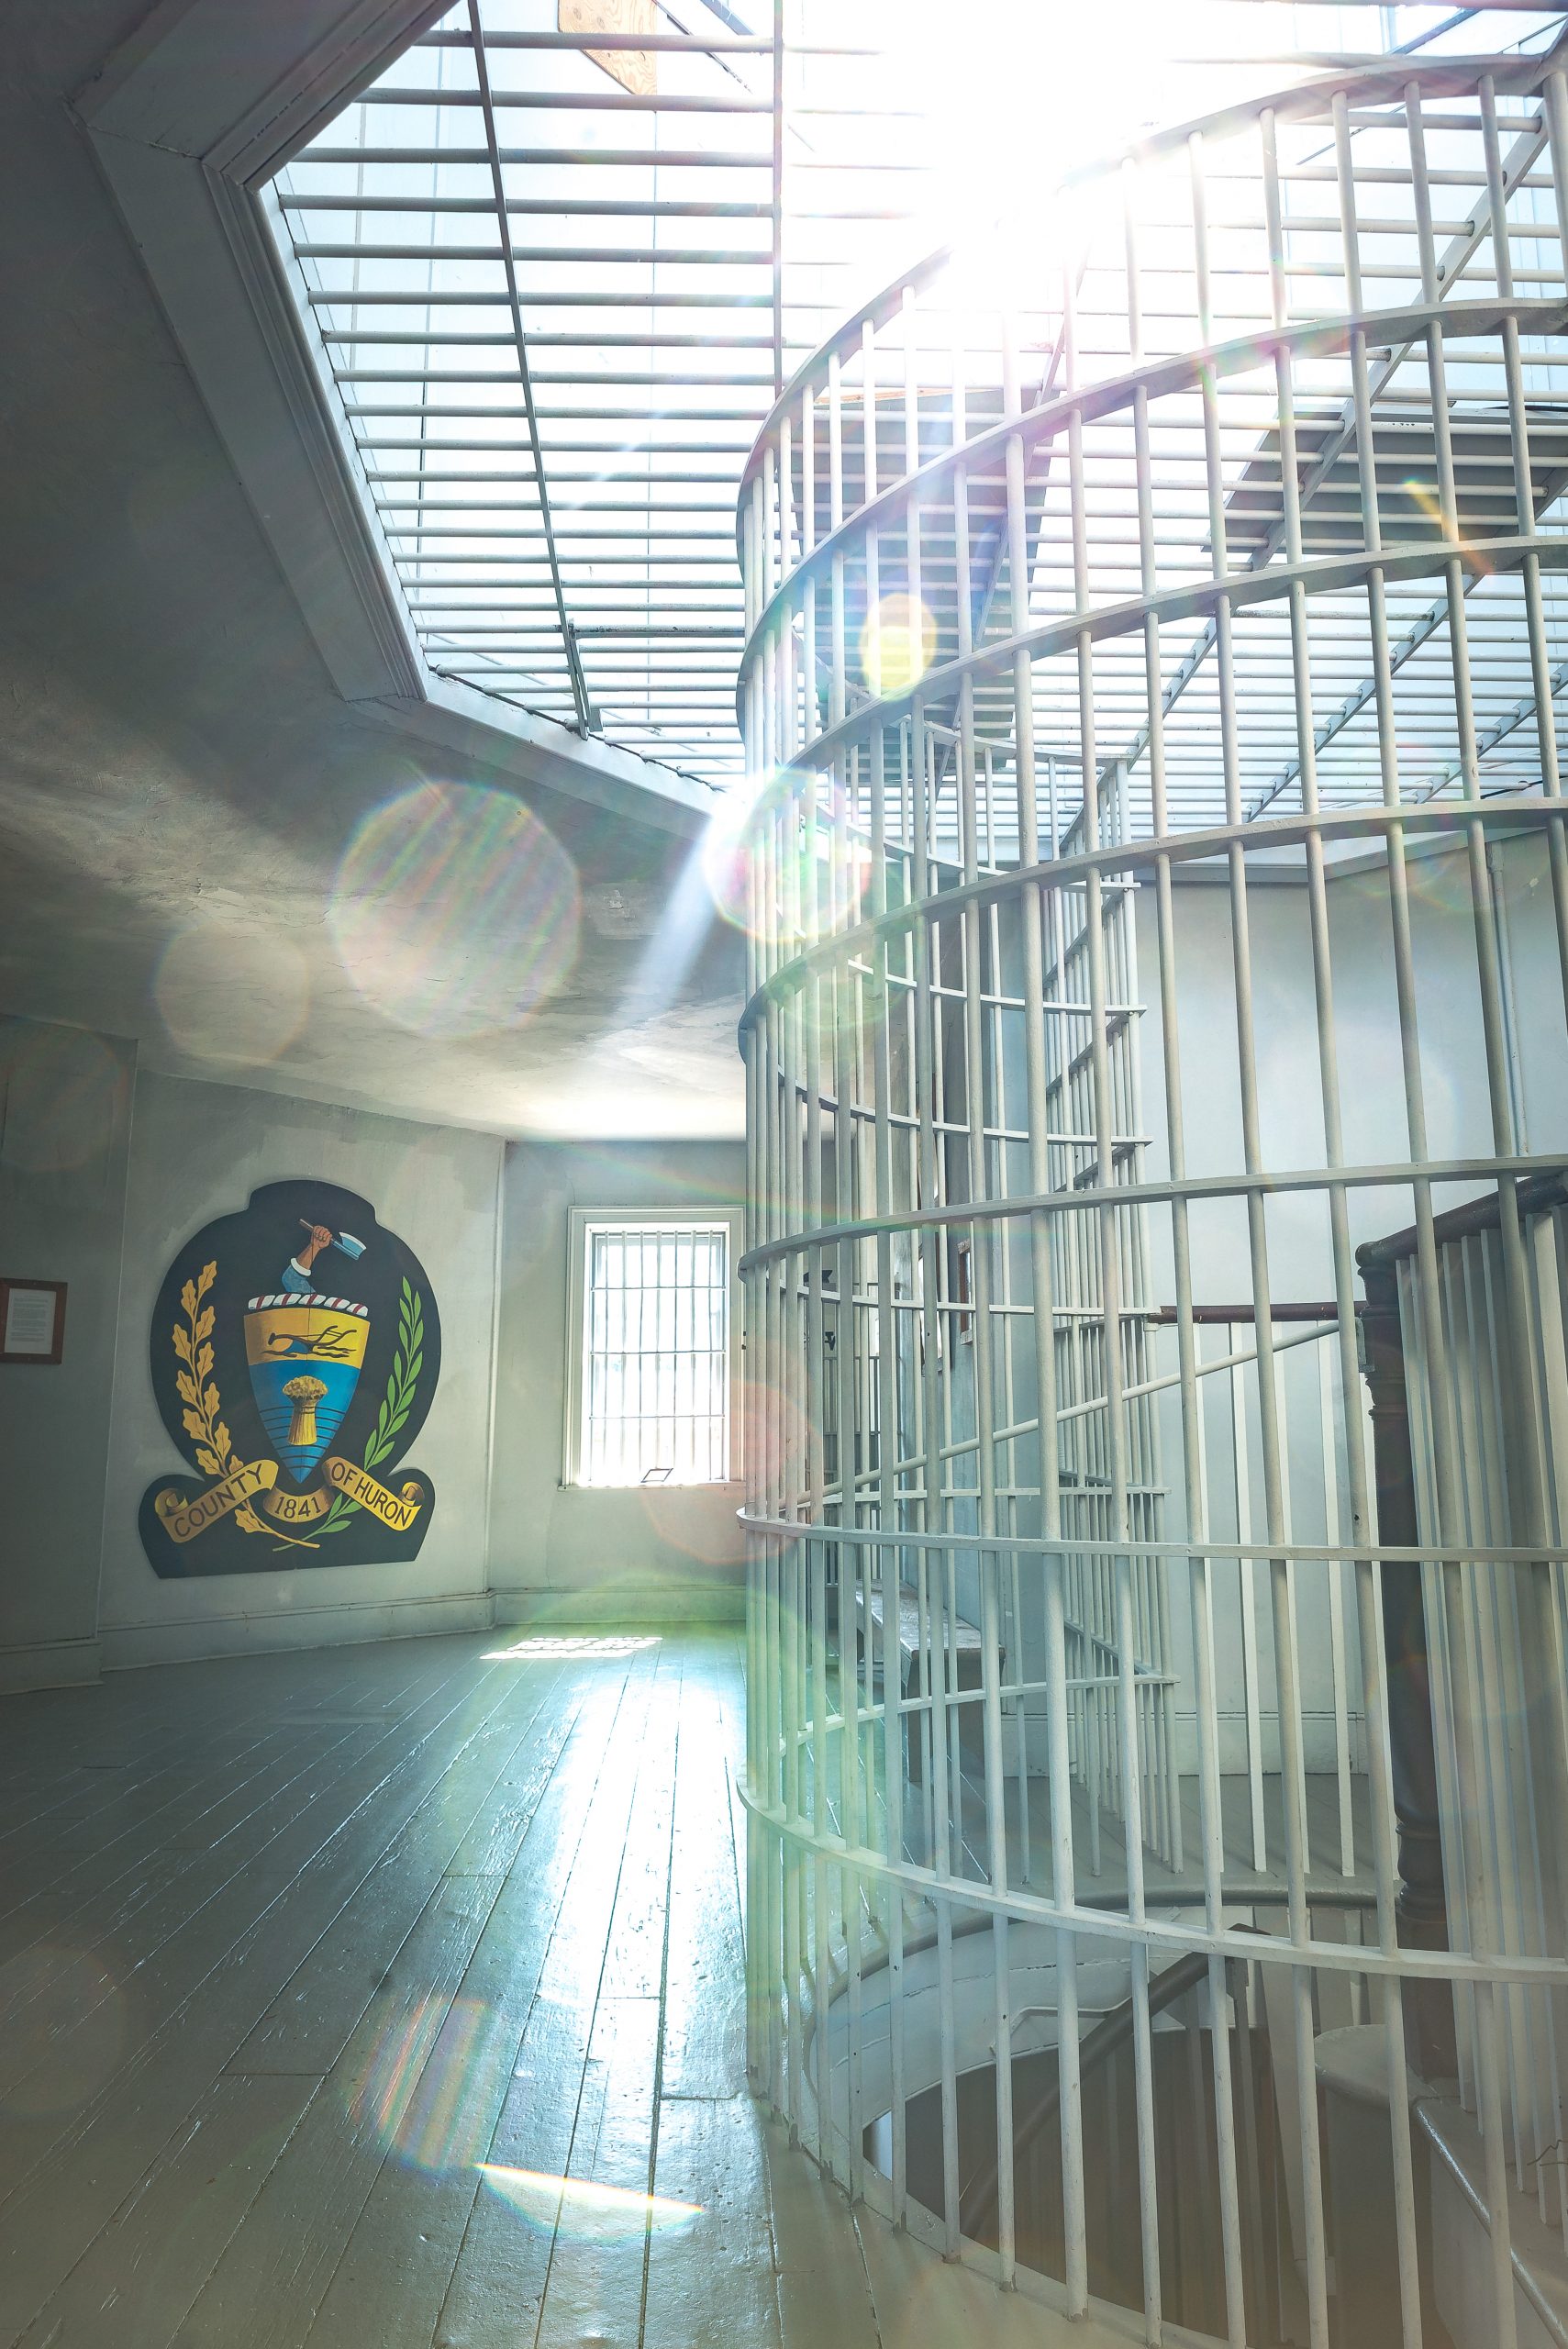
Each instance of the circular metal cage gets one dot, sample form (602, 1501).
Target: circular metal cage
(1154, 871)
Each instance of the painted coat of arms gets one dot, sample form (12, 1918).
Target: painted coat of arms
(294, 1352)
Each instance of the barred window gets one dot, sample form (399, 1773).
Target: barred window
(654, 1394)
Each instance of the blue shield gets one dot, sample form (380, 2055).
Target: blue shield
(305, 1354)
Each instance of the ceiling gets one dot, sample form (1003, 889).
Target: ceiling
(181, 783)
(196, 809)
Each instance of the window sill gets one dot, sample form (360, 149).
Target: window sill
(713, 1485)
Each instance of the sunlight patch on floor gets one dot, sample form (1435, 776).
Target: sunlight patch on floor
(609, 1644)
(582, 2209)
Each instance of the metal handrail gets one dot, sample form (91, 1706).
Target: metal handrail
(1093, 402)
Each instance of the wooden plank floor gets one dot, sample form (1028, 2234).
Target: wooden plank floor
(362, 1999)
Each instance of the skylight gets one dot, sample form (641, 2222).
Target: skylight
(553, 441)
(551, 424)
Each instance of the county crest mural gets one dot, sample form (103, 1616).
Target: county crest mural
(294, 1348)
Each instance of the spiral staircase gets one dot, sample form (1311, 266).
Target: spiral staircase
(1157, 897)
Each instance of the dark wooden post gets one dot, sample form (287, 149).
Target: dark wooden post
(1422, 1906)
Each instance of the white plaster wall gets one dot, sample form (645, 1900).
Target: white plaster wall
(198, 1151)
(65, 1114)
(576, 1552)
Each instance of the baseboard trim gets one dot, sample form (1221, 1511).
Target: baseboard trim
(198, 1639)
(630, 1611)
(50, 1663)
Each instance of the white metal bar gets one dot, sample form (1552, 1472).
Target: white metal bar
(1246, 374)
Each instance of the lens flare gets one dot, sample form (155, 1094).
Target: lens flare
(727, 852)
(773, 1437)
(234, 996)
(1438, 880)
(772, 870)
(697, 1519)
(1424, 497)
(590, 2212)
(433, 2082)
(1445, 885)
(898, 645)
(455, 912)
(63, 1092)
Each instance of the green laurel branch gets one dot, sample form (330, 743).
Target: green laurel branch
(401, 1381)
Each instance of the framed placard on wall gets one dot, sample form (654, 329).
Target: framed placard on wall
(32, 1321)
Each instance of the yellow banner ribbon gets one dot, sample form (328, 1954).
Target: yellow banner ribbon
(184, 1519)
(296, 1509)
(398, 1511)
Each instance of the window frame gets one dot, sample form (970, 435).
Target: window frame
(581, 1224)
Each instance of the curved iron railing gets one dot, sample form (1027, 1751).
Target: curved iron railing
(1157, 891)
